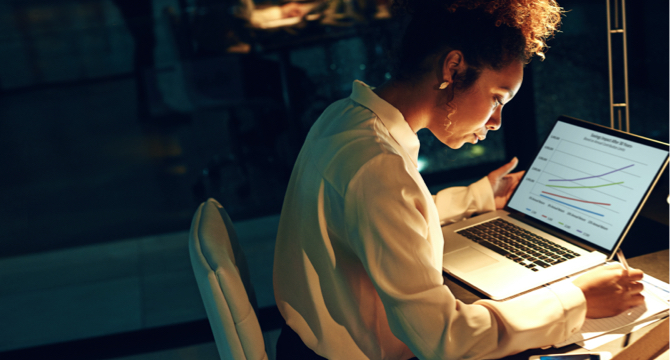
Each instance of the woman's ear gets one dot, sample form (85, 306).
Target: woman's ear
(453, 64)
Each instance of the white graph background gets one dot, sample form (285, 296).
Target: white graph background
(587, 183)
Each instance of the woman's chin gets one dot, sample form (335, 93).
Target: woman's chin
(454, 144)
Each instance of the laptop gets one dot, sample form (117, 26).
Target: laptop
(570, 212)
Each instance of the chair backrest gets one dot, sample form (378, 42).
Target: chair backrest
(223, 279)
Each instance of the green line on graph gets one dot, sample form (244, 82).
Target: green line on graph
(582, 187)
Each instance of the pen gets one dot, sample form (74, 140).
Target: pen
(622, 260)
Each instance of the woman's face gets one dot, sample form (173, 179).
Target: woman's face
(477, 109)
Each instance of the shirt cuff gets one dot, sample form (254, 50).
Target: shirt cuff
(483, 194)
(574, 305)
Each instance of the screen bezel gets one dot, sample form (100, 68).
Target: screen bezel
(521, 216)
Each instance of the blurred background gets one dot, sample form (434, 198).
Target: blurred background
(118, 117)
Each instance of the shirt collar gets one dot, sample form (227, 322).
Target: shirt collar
(390, 116)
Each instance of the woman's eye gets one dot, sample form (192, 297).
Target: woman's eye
(497, 102)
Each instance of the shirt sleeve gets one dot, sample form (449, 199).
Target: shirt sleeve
(518, 329)
(386, 216)
(460, 202)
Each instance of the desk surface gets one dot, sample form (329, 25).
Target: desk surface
(654, 264)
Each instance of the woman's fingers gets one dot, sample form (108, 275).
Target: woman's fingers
(609, 290)
(496, 175)
(635, 274)
(637, 299)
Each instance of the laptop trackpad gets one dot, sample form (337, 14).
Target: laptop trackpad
(468, 259)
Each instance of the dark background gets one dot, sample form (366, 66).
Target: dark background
(100, 142)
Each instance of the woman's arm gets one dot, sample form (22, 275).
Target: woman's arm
(461, 202)
(488, 194)
(394, 230)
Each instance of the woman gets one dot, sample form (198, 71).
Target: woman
(357, 271)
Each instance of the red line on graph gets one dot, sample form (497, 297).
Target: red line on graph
(584, 201)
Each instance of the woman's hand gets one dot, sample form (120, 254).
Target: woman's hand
(610, 290)
(503, 183)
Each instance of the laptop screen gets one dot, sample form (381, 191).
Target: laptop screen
(589, 181)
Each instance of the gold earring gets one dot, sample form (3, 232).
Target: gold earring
(444, 85)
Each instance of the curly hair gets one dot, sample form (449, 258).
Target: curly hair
(489, 33)
(537, 20)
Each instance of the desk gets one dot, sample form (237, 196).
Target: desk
(654, 264)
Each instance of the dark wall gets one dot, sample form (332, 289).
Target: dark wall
(85, 162)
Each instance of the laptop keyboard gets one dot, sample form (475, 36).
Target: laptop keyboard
(517, 244)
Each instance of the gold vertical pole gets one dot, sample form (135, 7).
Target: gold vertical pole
(609, 62)
(610, 31)
(625, 62)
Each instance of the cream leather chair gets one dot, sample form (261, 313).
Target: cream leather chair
(223, 279)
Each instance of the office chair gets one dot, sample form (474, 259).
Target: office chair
(222, 275)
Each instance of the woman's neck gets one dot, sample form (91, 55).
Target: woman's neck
(410, 99)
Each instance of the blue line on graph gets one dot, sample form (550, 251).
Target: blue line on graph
(572, 205)
(656, 286)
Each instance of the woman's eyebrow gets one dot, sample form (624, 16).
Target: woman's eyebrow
(510, 93)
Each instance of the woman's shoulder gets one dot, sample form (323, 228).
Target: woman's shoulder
(347, 138)
(349, 126)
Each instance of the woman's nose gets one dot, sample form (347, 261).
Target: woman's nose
(495, 120)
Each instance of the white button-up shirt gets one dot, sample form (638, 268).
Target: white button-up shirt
(358, 258)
